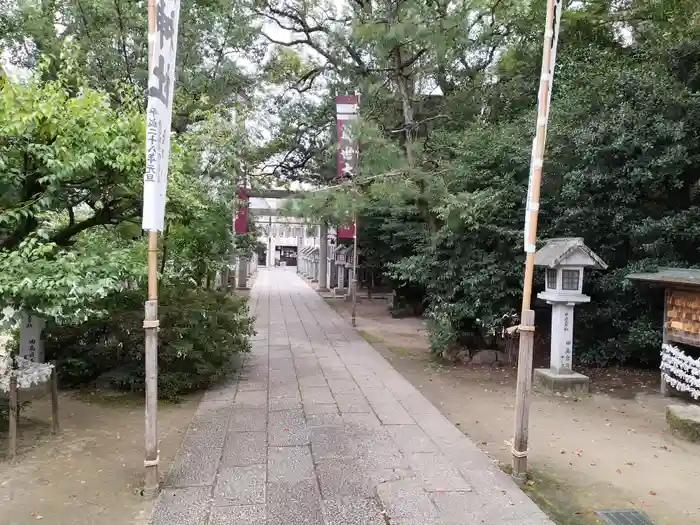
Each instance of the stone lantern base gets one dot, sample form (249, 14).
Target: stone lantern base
(552, 382)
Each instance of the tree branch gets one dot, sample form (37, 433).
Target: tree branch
(122, 39)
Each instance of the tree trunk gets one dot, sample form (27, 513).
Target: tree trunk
(406, 88)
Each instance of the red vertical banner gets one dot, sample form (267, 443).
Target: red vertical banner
(240, 222)
(348, 152)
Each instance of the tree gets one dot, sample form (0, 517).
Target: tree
(444, 172)
(111, 40)
(69, 163)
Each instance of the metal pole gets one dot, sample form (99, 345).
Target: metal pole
(270, 259)
(527, 320)
(353, 287)
(353, 318)
(150, 324)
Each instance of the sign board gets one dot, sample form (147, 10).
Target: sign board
(348, 148)
(683, 316)
(31, 346)
(161, 82)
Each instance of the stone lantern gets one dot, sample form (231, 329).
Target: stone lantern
(305, 261)
(314, 256)
(564, 259)
(332, 268)
(300, 260)
(350, 274)
(341, 262)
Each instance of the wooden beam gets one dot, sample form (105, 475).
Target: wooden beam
(273, 194)
(265, 212)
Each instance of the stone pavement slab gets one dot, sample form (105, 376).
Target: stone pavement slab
(319, 429)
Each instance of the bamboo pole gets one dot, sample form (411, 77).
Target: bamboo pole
(519, 447)
(150, 324)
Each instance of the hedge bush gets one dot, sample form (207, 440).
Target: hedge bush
(200, 333)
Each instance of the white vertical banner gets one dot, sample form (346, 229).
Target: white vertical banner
(530, 205)
(161, 82)
(528, 201)
(553, 54)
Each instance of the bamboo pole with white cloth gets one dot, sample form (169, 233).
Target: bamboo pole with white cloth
(519, 445)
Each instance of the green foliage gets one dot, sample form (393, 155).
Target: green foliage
(443, 177)
(110, 38)
(448, 98)
(68, 163)
(61, 284)
(68, 160)
(200, 333)
(71, 178)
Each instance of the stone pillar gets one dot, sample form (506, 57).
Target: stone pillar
(562, 338)
(559, 377)
(332, 273)
(314, 271)
(340, 289)
(225, 279)
(231, 270)
(323, 258)
(242, 273)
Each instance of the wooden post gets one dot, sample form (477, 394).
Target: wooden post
(523, 389)
(519, 447)
(55, 428)
(14, 404)
(665, 389)
(150, 325)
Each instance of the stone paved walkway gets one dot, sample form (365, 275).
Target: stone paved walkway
(320, 430)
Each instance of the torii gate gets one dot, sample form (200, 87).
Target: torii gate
(274, 212)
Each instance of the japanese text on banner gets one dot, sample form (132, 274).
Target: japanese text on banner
(348, 151)
(161, 82)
